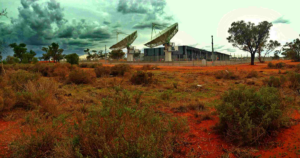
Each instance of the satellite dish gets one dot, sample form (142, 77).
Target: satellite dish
(126, 42)
(163, 37)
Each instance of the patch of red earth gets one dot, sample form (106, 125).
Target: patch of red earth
(46, 62)
(201, 141)
(8, 131)
(289, 140)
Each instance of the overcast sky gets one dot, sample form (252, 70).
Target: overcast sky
(80, 24)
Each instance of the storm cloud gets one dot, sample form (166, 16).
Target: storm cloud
(144, 25)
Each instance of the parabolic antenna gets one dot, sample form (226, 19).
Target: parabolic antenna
(125, 43)
(164, 37)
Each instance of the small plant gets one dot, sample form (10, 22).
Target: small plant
(271, 65)
(102, 71)
(147, 67)
(82, 77)
(142, 78)
(280, 65)
(83, 65)
(252, 74)
(252, 116)
(298, 67)
(119, 70)
(294, 79)
(275, 81)
(226, 74)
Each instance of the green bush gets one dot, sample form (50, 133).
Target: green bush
(83, 65)
(280, 65)
(275, 81)
(12, 60)
(35, 60)
(247, 116)
(119, 70)
(226, 74)
(102, 71)
(141, 77)
(271, 65)
(82, 77)
(294, 79)
(72, 58)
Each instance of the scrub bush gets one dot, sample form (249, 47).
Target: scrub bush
(119, 70)
(142, 78)
(247, 116)
(82, 77)
(102, 71)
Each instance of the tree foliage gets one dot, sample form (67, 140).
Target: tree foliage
(116, 54)
(248, 36)
(72, 58)
(267, 47)
(19, 50)
(53, 51)
(292, 50)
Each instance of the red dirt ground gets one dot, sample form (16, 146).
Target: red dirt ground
(200, 141)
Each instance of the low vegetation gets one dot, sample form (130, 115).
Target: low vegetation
(251, 117)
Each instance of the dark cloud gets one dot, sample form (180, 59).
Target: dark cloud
(131, 6)
(144, 25)
(281, 20)
(106, 22)
(40, 24)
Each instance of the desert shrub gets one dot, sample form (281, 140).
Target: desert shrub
(274, 81)
(141, 77)
(147, 67)
(280, 65)
(43, 68)
(83, 65)
(120, 127)
(294, 79)
(252, 74)
(39, 144)
(298, 67)
(35, 60)
(72, 58)
(61, 71)
(271, 65)
(252, 116)
(39, 95)
(102, 71)
(226, 74)
(82, 77)
(18, 79)
(12, 60)
(119, 70)
(109, 130)
(94, 65)
(8, 98)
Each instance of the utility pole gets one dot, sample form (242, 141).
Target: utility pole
(213, 54)
(105, 55)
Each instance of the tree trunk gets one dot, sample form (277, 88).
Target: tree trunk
(259, 54)
(252, 58)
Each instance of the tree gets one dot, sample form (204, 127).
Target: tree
(248, 36)
(276, 54)
(89, 55)
(19, 50)
(137, 54)
(3, 13)
(116, 54)
(28, 56)
(2, 44)
(72, 58)
(46, 56)
(53, 51)
(292, 50)
(267, 48)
